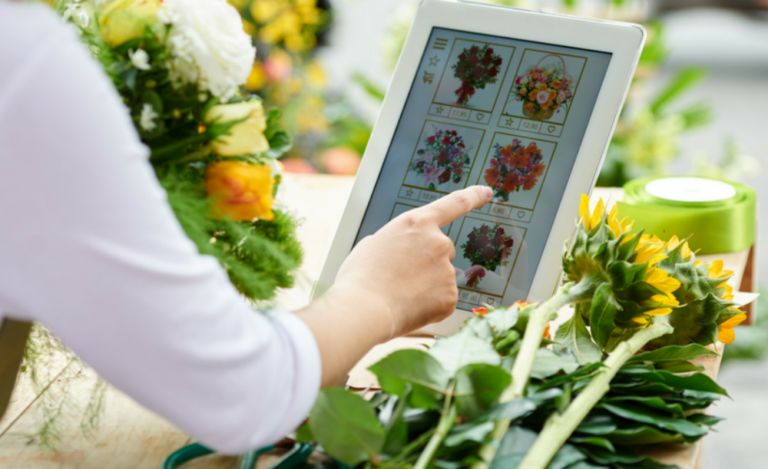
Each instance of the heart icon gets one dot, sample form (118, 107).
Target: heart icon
(480, 116)
(551, 128)
(520, 214)
(491, 301)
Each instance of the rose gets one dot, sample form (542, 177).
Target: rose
(246, 137)
(542, 97)
(208, 46)
(470, 249)
(498, 62)
(483, 241)
(493, 72)
(497, 241)
(561, 97)
(447, 141)
(431, 139)
(473, 61)
(508, 243)
(479, 72)
(472, 236)
(499, 231)
(463, 57)
(489, 253)
(489, 51)
(123, 20)
(460, 70)
(487, 59)
(484, 229)
(473, 50)
(240, 191)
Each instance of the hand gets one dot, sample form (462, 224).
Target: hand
(405, 268)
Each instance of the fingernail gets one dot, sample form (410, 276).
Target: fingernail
(488, 192)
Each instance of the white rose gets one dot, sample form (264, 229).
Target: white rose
(208, 45)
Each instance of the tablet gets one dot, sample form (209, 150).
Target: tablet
(522, 101)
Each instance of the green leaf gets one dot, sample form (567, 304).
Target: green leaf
(642, 435)
(602, 456)
(513, 448)
(694, 382)
(462, 349)
(502, 319)
(565, 457)
(679, 367)
(652, 402)
(672, 353)
(468, 432)
(597, 423)
(304, 434)
(573, 334)
(704, 419)
(580, 373)
(346, 426)
(480, 327)
(594, 441)
(548, 363)
(511, 410)
(417, 368)
(643, 415)
(604, 308)
(477, 388)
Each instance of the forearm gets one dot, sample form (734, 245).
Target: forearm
(346, 323)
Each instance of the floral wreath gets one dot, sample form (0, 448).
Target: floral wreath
(476, 67)
(544, 91)
(514, 167)
(486, 248)
(445, 158)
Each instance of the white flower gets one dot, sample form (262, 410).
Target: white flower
(77, 14)
(139, 59)
(208, 45)
(148, 116)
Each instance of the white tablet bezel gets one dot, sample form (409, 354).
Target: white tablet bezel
(623, 40)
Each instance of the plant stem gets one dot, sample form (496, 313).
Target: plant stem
(443, 427)
(559, 427)
(521, 370)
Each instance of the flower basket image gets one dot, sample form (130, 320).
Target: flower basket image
(476, 68)
(486, 248)
(514, 167)
(544, 90)
(444, 159)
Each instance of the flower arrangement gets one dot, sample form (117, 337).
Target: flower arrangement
(514, 167)
(476, 68)
(179, 66)
(499, 393)
(443, 159)
(543, 91)
(486, 248)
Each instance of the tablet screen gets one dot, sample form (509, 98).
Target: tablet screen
(493, 111)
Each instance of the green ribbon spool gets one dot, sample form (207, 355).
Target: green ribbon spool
(721, 215)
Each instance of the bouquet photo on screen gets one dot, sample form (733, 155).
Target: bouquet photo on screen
(444, 158)
(476, 67)
(544, 90)
(486, 248)
(514, 167)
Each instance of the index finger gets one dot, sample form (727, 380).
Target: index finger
(456, 204)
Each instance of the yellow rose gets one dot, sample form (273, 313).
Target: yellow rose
(245, 138)
(240, 191)
(123, 20)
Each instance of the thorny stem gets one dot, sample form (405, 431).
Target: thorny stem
(559, 427)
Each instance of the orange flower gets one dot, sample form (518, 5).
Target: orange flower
(556, 84)
(491, 176)
(240, 191)
(726, 334)
(522, 92)
(546, 332)
(538, 170)
(511, 182)
(528, 106)
(528, 183)
(481, 311)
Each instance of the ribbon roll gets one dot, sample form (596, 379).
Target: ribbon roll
(720, 215)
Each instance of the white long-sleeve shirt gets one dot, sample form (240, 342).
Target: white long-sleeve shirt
(90, 248)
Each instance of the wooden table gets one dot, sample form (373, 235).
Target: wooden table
(132, 437)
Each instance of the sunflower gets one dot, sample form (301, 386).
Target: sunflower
(726, 334)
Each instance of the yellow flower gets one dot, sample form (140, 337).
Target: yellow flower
(726, 334)
(249, 28)
(650, 249)
(246, 137)
(590, 221)
(240, 191)
(257, 78)
(619, 227)
(716, 271)
(659, 278)
(123, 20)
(673, 243)
(316, 76)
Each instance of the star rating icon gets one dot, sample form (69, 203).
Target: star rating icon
(409, 193)
(439, 109)
(433, 61)
(509, 122)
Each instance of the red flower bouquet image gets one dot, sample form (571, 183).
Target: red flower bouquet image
(514, 167)
(486, 248)
(477, 67)
(544, 90)
(444, 158)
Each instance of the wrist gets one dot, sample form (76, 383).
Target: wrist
(366, 305)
